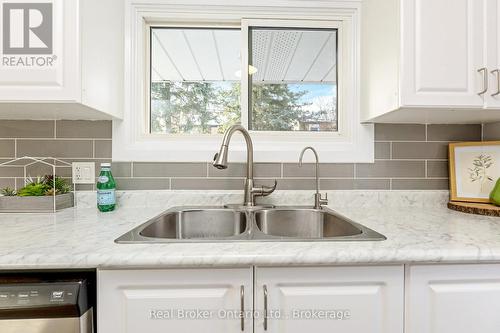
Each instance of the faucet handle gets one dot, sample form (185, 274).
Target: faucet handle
(269, 189)
(263, 190)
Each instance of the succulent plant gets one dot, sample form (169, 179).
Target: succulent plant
(56, 184)
(8, 192)
(33, 190)
(46, 185)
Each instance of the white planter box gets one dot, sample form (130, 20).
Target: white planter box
(17, 204)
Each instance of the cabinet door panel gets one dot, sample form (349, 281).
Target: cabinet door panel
(174, 301)
(443, 48)
(453, 299)
(493, 55)
(339, 299)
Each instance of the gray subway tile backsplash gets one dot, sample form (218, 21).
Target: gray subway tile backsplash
(7, 148)
(55, 148)
(419, 150)
(83, 129)
(465, 132)
(142, 183)
(120, 169)
(11, 171)
(437, 169)
(327, 170)
(7, 182)
(382, 150)
(207, 183)
(391, 169)
(420, 184)
(399, 132)
(372, 184)
(170, 169)
(27, 129)
(355, 184)
(102, 148)
(491, 132)
(39, 169)
(408, 157)
(337, 184)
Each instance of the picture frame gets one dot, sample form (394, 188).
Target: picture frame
(474, 169)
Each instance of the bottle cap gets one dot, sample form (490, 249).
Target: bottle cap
(106, 165)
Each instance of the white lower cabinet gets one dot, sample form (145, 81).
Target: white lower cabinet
(174, 301)
(349, 299)
(453, 299)
(309, 299)
(330, 299)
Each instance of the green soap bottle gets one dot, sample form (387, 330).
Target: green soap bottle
(495, 194)
(106, 186)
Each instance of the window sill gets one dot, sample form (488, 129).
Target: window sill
(359, 149)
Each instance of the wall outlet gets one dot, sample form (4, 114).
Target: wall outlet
(83, 172)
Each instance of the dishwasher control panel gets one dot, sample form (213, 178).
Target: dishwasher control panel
(38, 295)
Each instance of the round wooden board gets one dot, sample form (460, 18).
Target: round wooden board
(475, 208)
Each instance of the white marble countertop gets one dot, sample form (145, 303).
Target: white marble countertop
(418, 227)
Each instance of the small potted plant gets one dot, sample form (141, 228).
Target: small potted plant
(43, 194)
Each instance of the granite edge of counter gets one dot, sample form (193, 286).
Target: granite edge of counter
(175, 261)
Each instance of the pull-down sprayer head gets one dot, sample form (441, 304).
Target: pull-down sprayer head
(220, 159)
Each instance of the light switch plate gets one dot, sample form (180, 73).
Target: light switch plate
(83, 172)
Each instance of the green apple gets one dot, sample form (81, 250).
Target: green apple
(495, 194)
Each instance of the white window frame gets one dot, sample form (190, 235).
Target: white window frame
(132, 141)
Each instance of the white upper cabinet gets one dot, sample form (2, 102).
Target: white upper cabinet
(493, 55)
(329, 299)
(430, 61)
(443, 48)
(453, 299)
(61, 59)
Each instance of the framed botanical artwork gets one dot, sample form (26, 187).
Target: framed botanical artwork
(474, 170)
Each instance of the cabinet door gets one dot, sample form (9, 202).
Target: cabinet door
(329, 299)
(453, 299)
(180, 301)
(443, 49)
(493, 55)
(39, 51)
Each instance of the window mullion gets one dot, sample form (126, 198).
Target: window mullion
(244, 93)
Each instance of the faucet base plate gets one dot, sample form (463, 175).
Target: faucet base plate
(240, 206)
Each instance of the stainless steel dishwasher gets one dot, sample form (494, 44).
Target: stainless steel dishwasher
(53, 303)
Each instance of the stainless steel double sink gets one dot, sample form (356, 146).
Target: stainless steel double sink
(216, 224)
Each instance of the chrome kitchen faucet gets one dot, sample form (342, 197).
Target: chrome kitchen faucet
(220, 162)
(319, 201)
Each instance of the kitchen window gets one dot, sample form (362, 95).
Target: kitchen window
(291, 82)
(196, 72)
